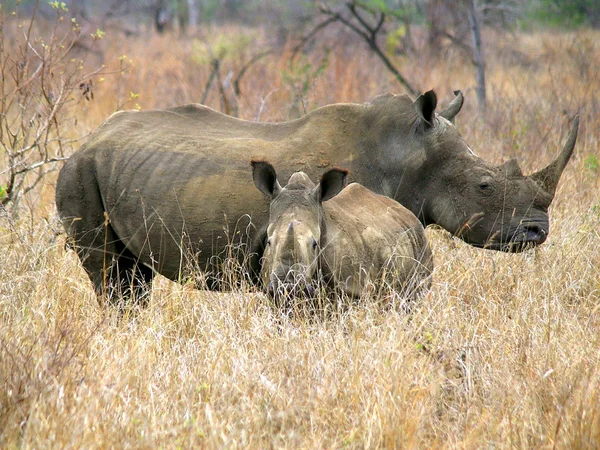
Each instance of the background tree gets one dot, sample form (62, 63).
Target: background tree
(461, 22)
(38, 80)
(365, 19)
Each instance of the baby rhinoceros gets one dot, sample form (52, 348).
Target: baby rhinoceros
(348, 237)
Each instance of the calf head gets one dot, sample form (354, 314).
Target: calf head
(296, 224)
(495, 207)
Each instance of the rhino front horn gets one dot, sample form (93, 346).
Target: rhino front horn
(548, 177)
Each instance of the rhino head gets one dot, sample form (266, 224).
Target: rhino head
(494, 207)
(296, 224)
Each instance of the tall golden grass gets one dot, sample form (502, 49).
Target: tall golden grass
(503, 352)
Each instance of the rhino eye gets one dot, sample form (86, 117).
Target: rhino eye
(484, 186)
(314, 244)
(268, 242)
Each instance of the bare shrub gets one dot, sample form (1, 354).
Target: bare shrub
(39, 83)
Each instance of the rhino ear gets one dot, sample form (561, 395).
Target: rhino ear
(331, 184)
(265, 178)
(511, 168)
(425, 106)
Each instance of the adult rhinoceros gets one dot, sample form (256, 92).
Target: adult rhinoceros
(153, 190)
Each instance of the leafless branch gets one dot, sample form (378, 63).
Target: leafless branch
(40, 164)
(245, 67)
(379, 24)
(368, 33)
(312, 34)
(37, 82)
(215, 63)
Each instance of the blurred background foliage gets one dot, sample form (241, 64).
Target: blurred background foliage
(266, 60)
(168, 14)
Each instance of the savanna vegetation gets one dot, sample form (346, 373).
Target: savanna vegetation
(504, 351)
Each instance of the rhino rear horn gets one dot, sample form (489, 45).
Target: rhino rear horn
(548, 177)
(425, 106)
(450, 111)
(511, 168)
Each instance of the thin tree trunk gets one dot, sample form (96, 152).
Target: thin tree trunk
(193, 14)
(477, 56)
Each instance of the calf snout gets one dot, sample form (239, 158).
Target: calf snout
(286, 285)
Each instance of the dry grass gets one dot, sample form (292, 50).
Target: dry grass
(503, 352)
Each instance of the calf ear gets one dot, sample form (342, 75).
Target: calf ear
(425, 106)
(332, 182)
(265, 178)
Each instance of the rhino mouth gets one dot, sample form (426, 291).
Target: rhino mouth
(525, 237)
(284, 291)
(508, 247)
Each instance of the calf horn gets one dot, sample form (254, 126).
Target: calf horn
(289, 237)
(454, 107)
(548, 177)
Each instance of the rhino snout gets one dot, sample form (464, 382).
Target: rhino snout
(533, 232)
(516, 237)
(527, 234)
(285, 288)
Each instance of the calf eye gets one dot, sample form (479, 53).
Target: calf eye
(314, 244)
(268, 242)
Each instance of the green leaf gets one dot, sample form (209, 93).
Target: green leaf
(592, 162)
(377, 4)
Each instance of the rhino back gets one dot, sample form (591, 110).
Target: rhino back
(178, 181)
(367, 232)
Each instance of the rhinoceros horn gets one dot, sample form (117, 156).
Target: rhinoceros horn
(548, 177)
(450, 111)
(289, 237)
(511, 168)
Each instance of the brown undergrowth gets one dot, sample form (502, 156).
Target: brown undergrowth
(502, 352)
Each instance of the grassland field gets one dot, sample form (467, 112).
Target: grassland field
(503, 352)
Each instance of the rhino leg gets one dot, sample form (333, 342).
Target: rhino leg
(115, 272)
(118, 276)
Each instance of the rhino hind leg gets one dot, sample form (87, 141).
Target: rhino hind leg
(122, 280)
(116, 274)
(131, 286)
(114, 271)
